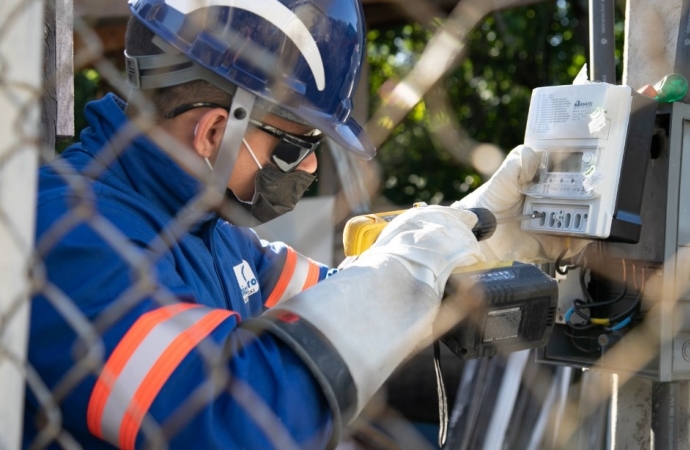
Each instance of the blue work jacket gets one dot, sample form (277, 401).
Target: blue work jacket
(134, 324)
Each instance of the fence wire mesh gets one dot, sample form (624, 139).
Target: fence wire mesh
(501, 402)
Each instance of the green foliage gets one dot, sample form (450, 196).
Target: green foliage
(510, 53)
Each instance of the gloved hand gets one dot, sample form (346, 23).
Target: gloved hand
(375, 311)
(430, 241)
(501, 195)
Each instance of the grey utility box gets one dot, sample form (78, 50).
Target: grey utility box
(657, 345)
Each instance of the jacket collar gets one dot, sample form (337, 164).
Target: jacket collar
(135, 158)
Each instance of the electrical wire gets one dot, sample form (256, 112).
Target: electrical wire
(567, 267)
(626, 316)
(558, 263)
(577, 326)
(573, 337)
(618, 298)
(610, 324)
(630, 312)
(613, 323)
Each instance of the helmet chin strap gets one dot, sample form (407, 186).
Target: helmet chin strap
(238, 118)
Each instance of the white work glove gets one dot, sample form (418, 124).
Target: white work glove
(429, 240)
(380, 307)
(501, 195)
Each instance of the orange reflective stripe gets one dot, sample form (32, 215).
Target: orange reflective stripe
(113, 367)
(284, 280)
(312, 277)
(161, 371)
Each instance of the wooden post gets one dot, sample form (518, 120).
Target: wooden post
(57, 114)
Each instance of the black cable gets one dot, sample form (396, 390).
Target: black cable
(629, 310)
(624, 318)
(567, 267)
(640, 290)
(584, 316)
(576, 309)
(558, 263)
(584, 288)
(574, 336)
(579, 305)
(579, 347)
(576, 326)
(618, 298)
(442, 397)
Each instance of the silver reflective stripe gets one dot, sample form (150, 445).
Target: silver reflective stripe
(299, 277)
(138, 366)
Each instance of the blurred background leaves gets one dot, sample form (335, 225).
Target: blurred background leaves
(512, 52)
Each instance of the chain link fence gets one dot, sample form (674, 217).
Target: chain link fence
(501, 402)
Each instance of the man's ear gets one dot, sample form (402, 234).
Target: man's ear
(209, 132)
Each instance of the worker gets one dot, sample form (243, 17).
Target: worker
(157, 320)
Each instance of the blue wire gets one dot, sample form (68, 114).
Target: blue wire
(622, 324)
(568, 314)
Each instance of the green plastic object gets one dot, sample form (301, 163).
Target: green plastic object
(671, 88)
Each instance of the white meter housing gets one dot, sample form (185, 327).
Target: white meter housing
(594, 141)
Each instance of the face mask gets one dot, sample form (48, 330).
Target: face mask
(275, 192)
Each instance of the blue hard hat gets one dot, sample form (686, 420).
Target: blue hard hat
(301, 58)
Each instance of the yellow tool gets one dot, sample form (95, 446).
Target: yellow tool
(517, 302)
(361, 231)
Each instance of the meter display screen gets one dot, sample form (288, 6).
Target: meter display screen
(565, 161)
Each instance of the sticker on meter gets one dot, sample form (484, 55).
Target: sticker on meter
(593, 179)
(502, 324)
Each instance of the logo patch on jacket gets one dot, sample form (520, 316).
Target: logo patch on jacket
(246, 280)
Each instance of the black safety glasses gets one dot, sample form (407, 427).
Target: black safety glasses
(291, 149)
